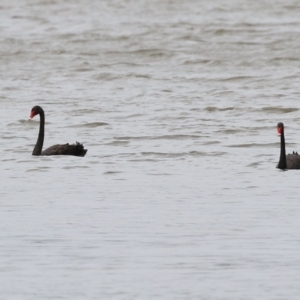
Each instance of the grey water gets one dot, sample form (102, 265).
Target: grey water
(177, 103)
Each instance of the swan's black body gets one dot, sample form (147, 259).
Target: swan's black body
(290, 161)
(66, 149)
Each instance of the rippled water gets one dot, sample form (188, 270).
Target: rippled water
(177, 103)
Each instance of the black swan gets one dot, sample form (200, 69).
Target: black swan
(66, 149)
(290, 161)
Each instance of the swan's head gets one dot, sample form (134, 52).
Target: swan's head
(280, 129)
(36, 110)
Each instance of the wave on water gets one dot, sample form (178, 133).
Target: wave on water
(278, 110)
(80, 112)
(161, 137)
(117, 143)
(183, 154)
(75, 167)
(254, 145)
(214, 108)
(89, 125)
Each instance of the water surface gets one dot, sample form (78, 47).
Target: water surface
(177, 103)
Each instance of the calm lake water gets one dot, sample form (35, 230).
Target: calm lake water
(177, 103)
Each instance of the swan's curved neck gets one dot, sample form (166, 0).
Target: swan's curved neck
(40, 141)
(282, 160)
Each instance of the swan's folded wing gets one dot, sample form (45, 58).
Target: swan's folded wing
(65, 149)
(293, 161)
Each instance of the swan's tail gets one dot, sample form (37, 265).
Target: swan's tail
(80, 151)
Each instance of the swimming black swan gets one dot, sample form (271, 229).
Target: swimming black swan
(66, 149)
(290, 161)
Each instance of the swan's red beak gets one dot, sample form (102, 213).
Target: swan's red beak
(279, 131)
(33, 113)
